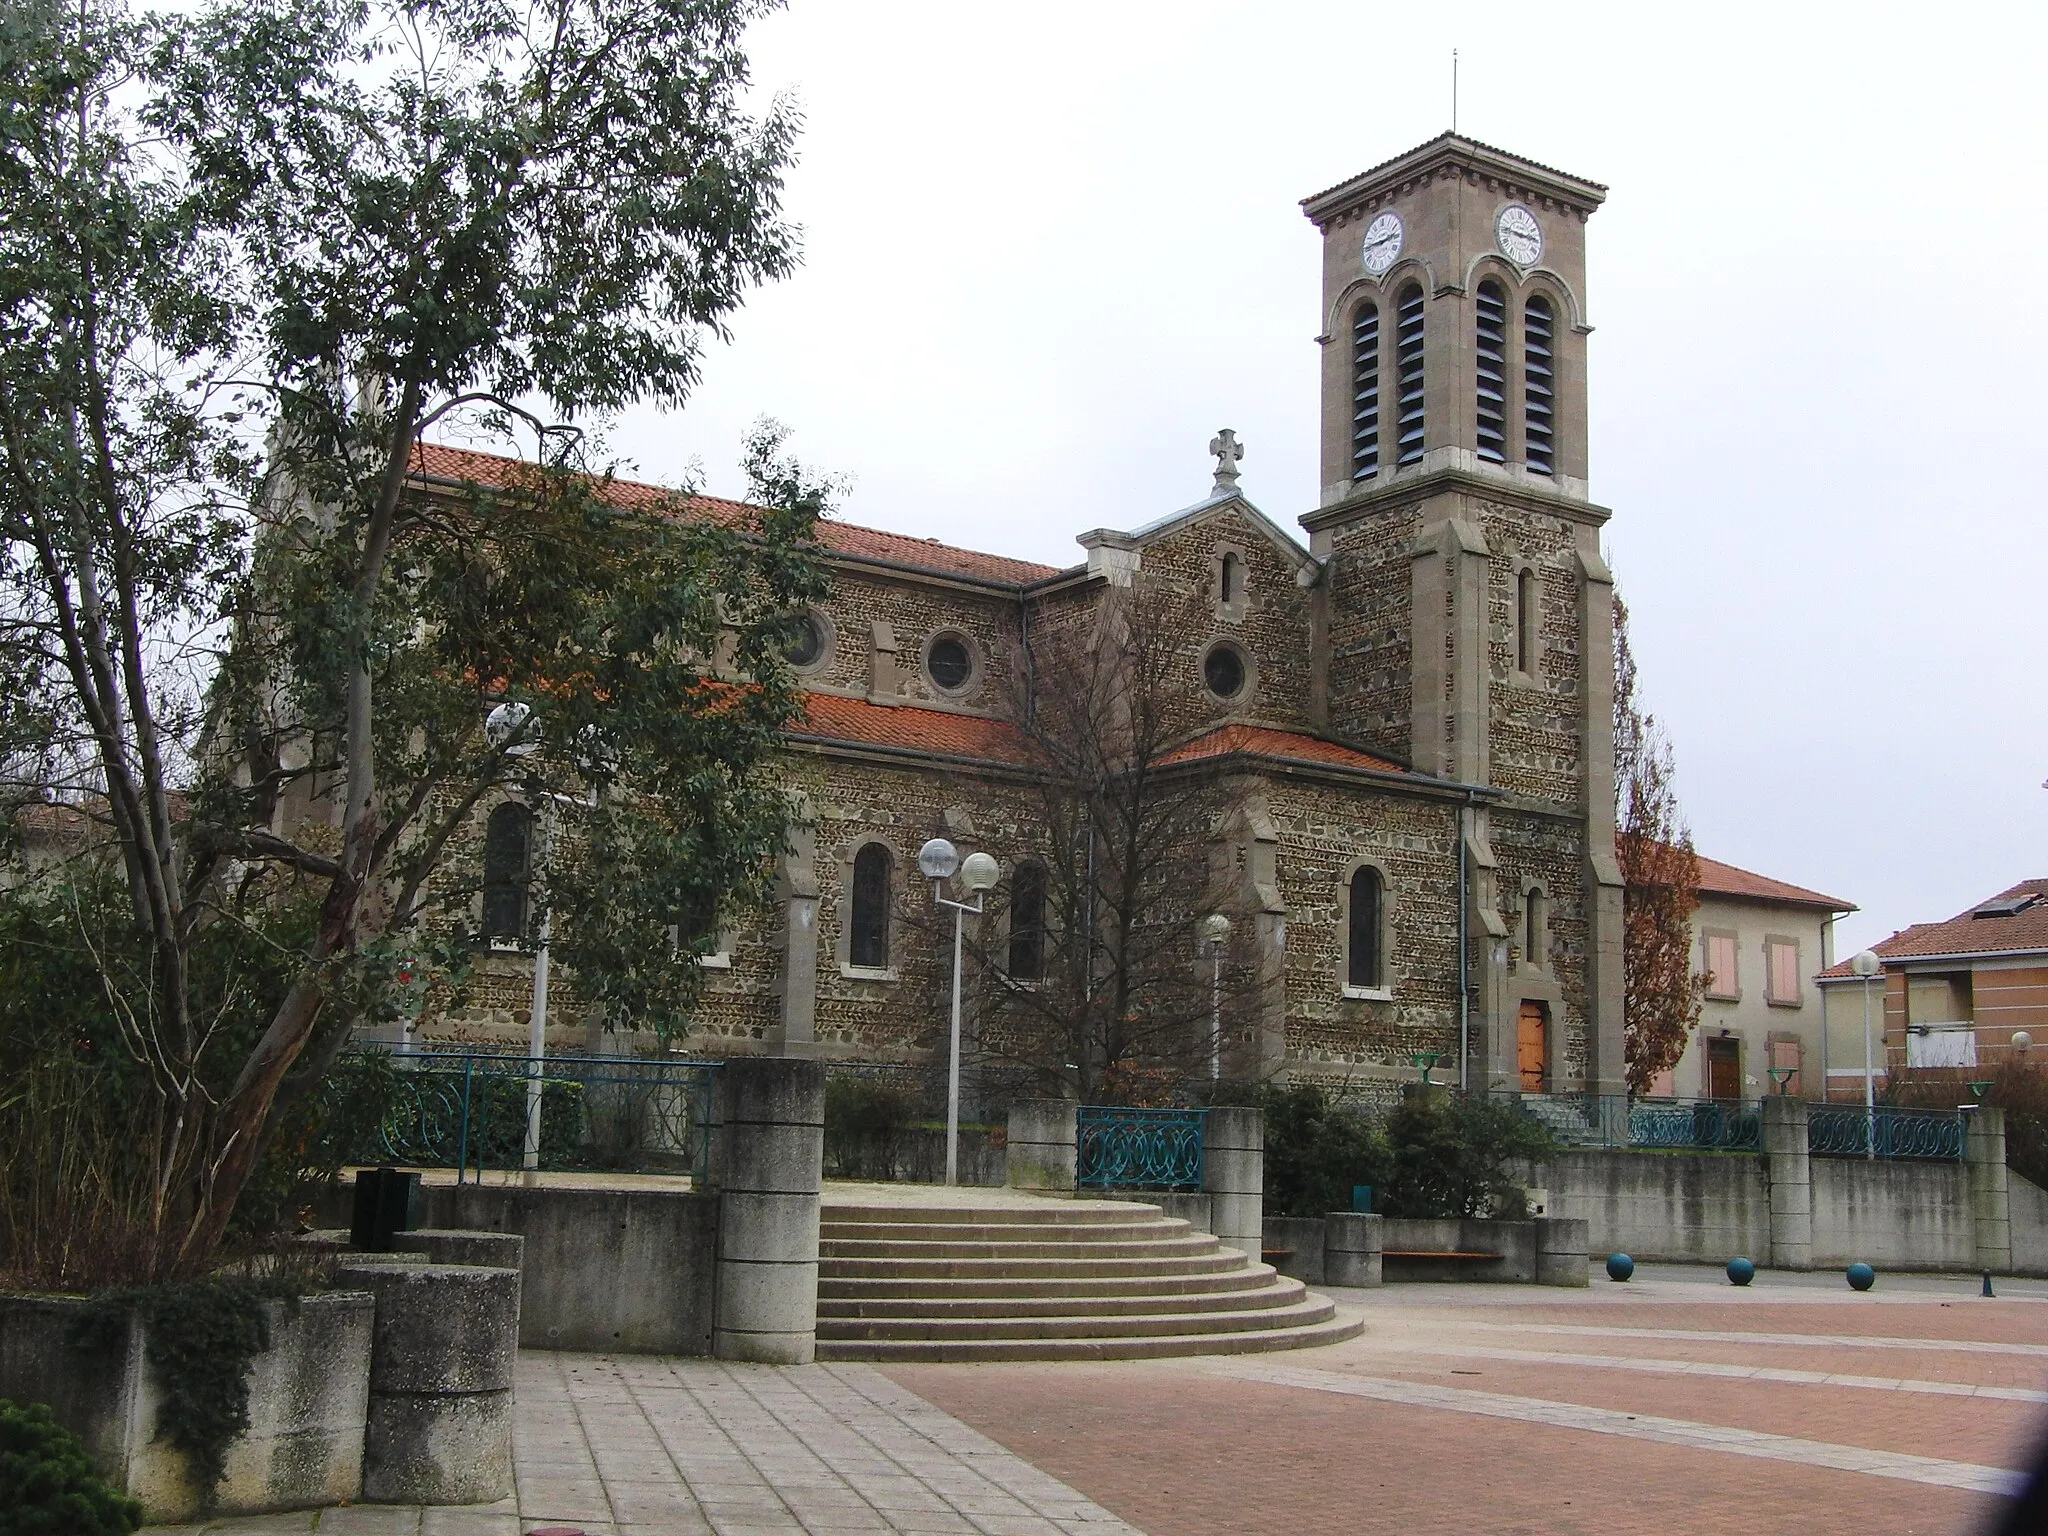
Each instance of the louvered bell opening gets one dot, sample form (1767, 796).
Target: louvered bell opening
(1365, 399)
(1408, 369)
(1539, 429)
(1493, 373)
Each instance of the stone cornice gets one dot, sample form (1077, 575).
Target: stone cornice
(1404, 492)
(1450, 153)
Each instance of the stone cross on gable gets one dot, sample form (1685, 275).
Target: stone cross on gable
(1228, 451)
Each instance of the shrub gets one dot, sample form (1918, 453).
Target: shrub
(1316, 1151)
(1451, 1154)
(47, 1483)
(867, 1121)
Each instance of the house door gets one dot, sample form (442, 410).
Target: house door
(1532, 1045)
(1724, 1068)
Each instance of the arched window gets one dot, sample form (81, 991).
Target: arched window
(1230, 577)
(1027, 922)
(1493, 372)
(1408, 369)
(1365, 392)
(1535, 927)
(1364, 964)
(1539, 408)
(1525, 621)
(508, 870)
(868, 914)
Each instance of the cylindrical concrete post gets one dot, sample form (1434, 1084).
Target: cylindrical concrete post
(442, 1353)
(1234, 1174)
(453, 1245)
(1351, 1248)
(1561, 1243)
(1787, 1168)
(771, 1173)
(1039, 1150)
(1990, 1190)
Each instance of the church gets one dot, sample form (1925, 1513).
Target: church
(1411, 712)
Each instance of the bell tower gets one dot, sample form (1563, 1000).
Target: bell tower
(1465, 615)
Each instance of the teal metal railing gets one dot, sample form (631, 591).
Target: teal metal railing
(467, 1111)
(1840, 1130)
(1118, 1148)
(1616, 1120)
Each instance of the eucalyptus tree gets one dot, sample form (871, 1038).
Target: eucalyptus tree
(254, 257)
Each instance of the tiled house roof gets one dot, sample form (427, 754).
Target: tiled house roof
(906, 728)
(1718, 879)
(465, 466)
(2014, 922)
(1287, 746)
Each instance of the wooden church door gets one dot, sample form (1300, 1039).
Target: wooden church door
(1532, 1041)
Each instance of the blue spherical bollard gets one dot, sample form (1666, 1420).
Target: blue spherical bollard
(1861, 1277)
(1740, 1271)
(1620, 1266)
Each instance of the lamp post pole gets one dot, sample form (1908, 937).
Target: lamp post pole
(939, 860)
(1215, 931)
(1866, 965)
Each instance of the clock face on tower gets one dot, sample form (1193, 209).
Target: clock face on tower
(1382, 243)
(1519, 236)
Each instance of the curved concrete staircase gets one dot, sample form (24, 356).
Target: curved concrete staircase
(1051, 1280)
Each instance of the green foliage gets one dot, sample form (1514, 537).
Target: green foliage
(47, 1483)
(1452, 1154)
(867, 1120)
(202, 1337)
(1317, 1149)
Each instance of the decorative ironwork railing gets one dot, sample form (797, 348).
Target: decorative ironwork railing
(468, 1111)
(1615, 1120)
(1119, 1148)
(1839, 1130)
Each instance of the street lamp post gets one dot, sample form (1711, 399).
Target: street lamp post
(1866, 965)
(939, 860)
(1215, 930)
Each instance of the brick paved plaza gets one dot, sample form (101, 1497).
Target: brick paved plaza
(1673, 1403)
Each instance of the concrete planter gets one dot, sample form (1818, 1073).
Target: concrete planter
(308, 1394)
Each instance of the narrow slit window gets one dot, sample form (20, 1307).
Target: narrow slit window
(1539, 429)
(868, 925)
(1027, 922)
(508, 870)
(1534, 930)
(1363, 966)
(1408, 369)
(1230, 578)
(1365, 395)
(1525, 621)
(1492, 381)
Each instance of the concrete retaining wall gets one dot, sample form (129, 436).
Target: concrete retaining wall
(1680, 1207)
(308, 1396)
(1896, 1215)
(1352, 1249)
(603, 1269)
(2028, 1205)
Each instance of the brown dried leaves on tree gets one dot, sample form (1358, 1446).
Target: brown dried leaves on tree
(1661, 875)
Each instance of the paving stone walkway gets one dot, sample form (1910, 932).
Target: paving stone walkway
(637, 1445)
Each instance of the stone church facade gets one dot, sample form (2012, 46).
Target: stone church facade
(1413, 711)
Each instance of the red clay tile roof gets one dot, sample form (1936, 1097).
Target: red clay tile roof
(831, 718)
(2025, 932)
(1293, 746)
(1718, 879)
(439, 462)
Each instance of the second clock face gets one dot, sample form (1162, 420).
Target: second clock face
(1382, 243)
(1519, 235)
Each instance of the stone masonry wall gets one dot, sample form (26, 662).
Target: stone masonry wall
(1368, 631)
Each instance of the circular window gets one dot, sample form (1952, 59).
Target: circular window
(808, 644)
(949, 662)
(1223, 671)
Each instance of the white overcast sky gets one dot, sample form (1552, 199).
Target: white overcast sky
(1050, 248)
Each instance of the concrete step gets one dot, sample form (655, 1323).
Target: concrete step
(1003, 1232)
(837, 1285)
(1066, 1212)
(1169, 1246)
(1312, 1309)
(1219, 1261)
(1281, 1293)
(1335, 1330)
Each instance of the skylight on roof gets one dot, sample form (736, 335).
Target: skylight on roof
(2007, 906)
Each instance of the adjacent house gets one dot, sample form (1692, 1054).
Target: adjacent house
(1758, 942)
(1965, 995)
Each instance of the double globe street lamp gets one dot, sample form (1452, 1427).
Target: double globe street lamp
(939, 861)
